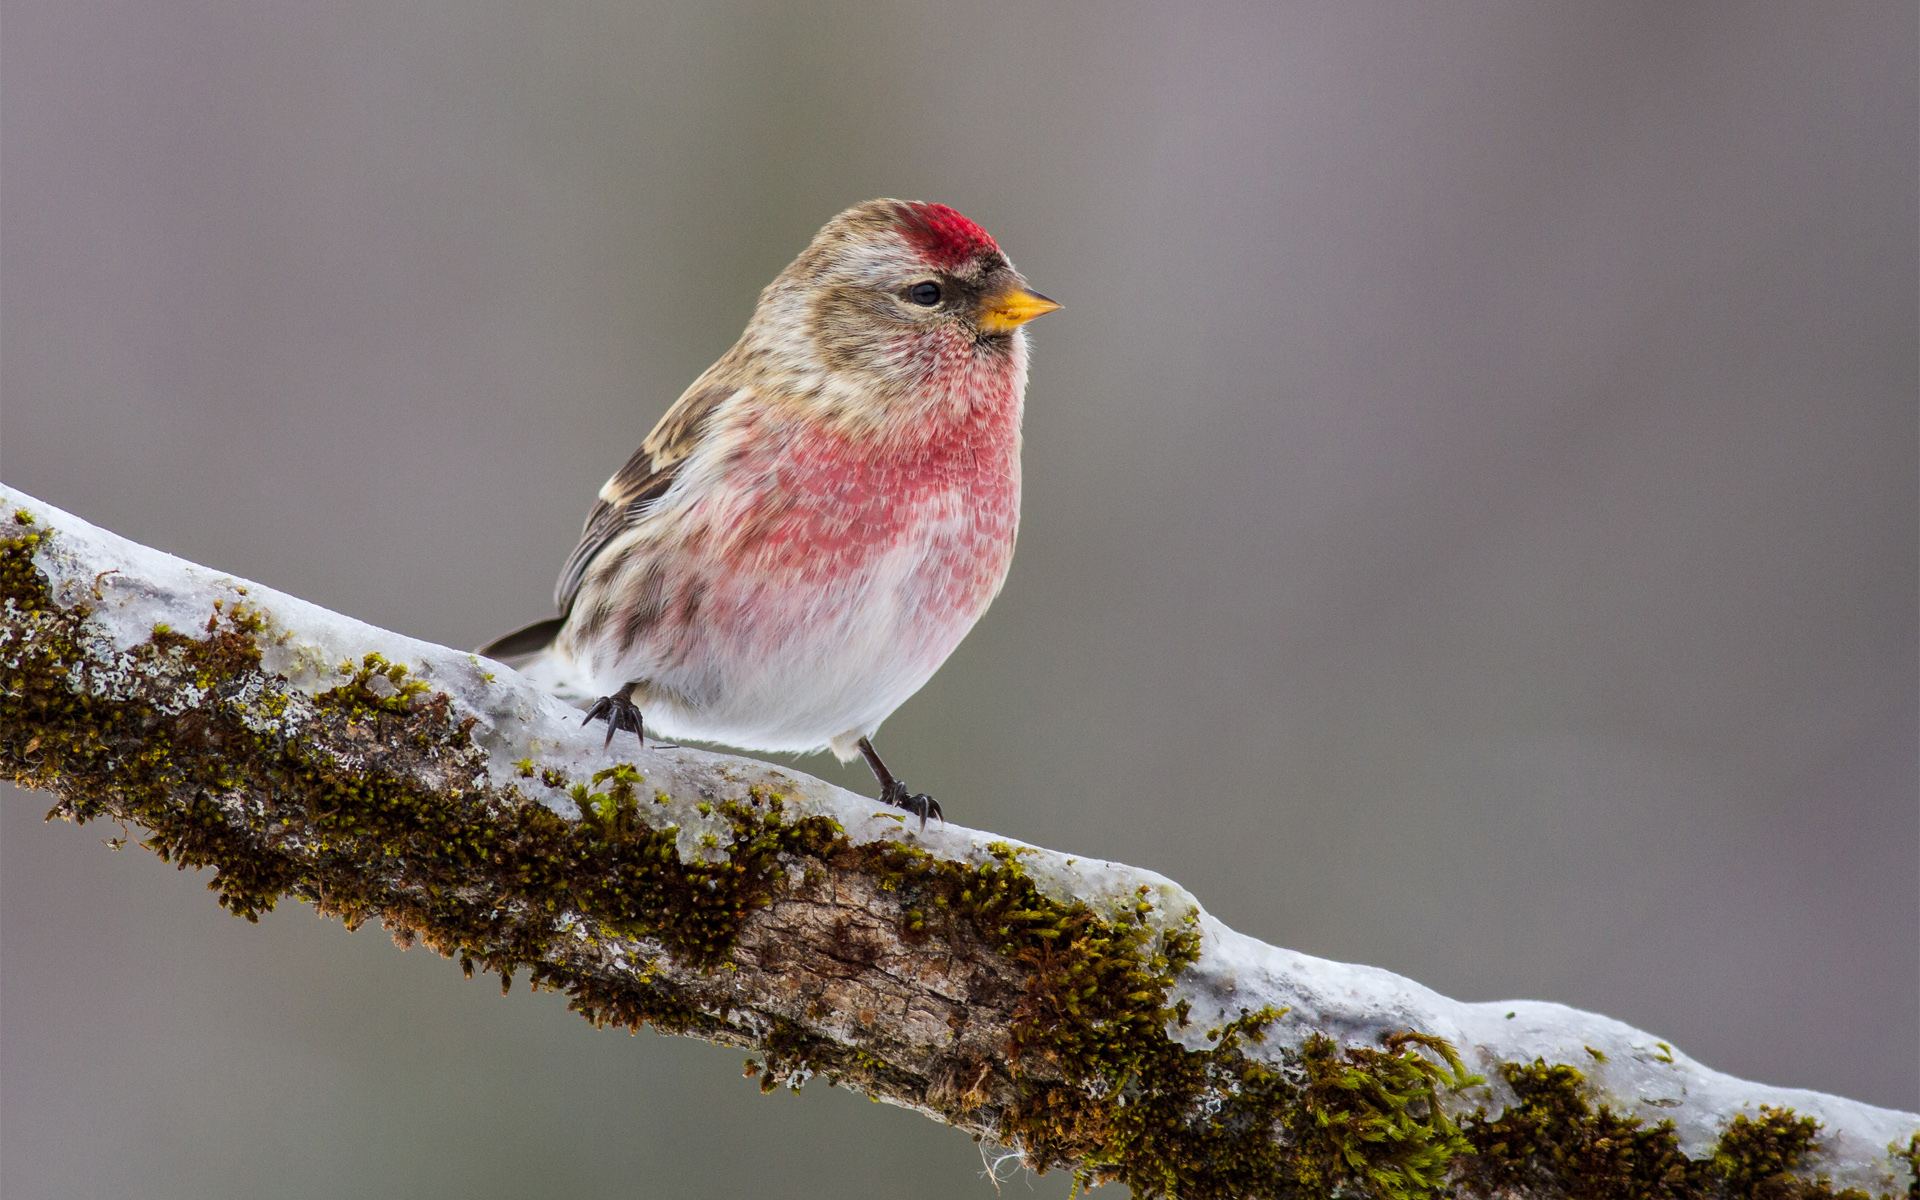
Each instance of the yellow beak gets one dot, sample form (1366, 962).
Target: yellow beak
(1012, 309)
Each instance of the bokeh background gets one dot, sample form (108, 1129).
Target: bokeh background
(1470, 521)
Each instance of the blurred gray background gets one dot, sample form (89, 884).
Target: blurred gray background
(1470, 521)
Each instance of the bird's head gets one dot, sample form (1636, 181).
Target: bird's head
(898, 294)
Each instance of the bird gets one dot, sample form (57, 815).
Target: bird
(818, 521)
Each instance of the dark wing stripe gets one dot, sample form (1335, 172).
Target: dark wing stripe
(605, 523)
(645, 478)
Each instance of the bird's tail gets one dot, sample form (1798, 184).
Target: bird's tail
(531, 652)
(522, 644)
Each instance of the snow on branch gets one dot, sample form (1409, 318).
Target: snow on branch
(1085, 1014)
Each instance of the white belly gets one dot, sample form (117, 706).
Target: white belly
(832, 661)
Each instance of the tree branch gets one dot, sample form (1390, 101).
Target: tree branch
(1086, 1014)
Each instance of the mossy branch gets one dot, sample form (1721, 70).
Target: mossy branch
(1088, 1015)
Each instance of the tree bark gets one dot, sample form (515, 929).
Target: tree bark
(1085, 1014)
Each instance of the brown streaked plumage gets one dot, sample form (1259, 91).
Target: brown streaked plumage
(645, 477)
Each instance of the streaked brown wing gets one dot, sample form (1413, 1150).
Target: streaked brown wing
(645, 478)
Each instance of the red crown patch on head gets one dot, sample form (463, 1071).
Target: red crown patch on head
(946, 238)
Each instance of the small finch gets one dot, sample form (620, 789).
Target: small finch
(815, 524)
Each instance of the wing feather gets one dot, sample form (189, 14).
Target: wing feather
(645, 478)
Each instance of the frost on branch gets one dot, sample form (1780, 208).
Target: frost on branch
(1086, 1014)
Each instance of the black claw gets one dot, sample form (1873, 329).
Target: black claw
(894, 792)
(918, 803)
(619, 713)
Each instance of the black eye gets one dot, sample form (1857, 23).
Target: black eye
(927, 293)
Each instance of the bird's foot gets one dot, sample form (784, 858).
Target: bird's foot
(619, 712)
(918, 803)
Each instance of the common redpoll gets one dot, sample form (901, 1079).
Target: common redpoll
(818, 521)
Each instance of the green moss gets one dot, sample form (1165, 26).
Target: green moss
(1379, 1116)
(1088, 1077)
(1910, 1155)
(46, 728)
(167, 775)
(1752, 1153)
(375, 686)
(1094, 1080)
(1099, 1085)
(1102, 1088)
(1554, 1142)
(230, 645)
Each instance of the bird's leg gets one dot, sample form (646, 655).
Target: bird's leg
(894, 792)
(620, 712)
